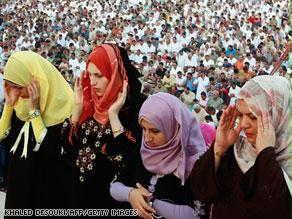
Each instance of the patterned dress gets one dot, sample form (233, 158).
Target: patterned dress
(96, 157)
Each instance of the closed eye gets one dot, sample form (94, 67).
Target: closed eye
(155, 131)
(252, 117)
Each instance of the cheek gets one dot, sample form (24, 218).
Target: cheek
(24, 93)
(104, 81)
(254, 124)
(160, 139)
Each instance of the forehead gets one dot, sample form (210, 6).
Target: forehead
(242, 107)
(146, 124)
(92, 69)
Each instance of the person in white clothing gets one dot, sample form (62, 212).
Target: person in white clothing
(203, 82)
(233, 93)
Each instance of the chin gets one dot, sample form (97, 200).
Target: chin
(251, 141)
(99, 93)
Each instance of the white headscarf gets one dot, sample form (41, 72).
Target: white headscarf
(272, 93)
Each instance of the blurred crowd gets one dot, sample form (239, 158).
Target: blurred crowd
(203, 52)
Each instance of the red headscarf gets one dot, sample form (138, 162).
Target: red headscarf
(108, 60)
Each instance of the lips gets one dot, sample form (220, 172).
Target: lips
(248, 134)
(150, 144)
(96, 89)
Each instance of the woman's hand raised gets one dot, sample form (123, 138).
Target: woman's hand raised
(10, 95)
(227, 133)
(78, 99)
(33, 89)
(120, 101)
(266, 136)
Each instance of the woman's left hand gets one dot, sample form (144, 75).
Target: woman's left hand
(34, 95)
(138, 200)
(120, 101)
(266, 136)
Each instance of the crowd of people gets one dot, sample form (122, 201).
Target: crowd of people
(166, 92)
(187, 48)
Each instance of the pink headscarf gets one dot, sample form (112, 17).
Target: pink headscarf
(209, 133)
(185, 143)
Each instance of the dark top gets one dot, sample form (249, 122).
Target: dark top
(259, 193)
(40, 180)
(96, 157)
(167, 188)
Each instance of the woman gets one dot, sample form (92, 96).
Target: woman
(37, 101)
(248, 175)
(103, 133)
(171, 144)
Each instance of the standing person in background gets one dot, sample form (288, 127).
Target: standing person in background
(249, 174)
(2, 149)
(103, 132)
(37, 101)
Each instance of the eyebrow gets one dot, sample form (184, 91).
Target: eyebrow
(93, 73)
(12, 84)
(149, 128)
(244, 113)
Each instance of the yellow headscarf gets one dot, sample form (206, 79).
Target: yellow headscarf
(56, 96)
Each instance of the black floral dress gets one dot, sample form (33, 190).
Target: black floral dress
(96, 157)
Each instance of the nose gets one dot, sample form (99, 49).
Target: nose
(147, 136)
(244, 123)
(92, 81)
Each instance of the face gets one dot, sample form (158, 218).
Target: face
(16, 90)
(247, 121)
(216, 94)
(197, 110)
(97, 80)
(153, 136)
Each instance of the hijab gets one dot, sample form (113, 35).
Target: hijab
(114, 64)
(56, 95)
(272, 93)
(185, 143)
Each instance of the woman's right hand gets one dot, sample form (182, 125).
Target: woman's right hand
(78, 95)
(10, 95)
(226, 134)
(137, 199)
(78, 100)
